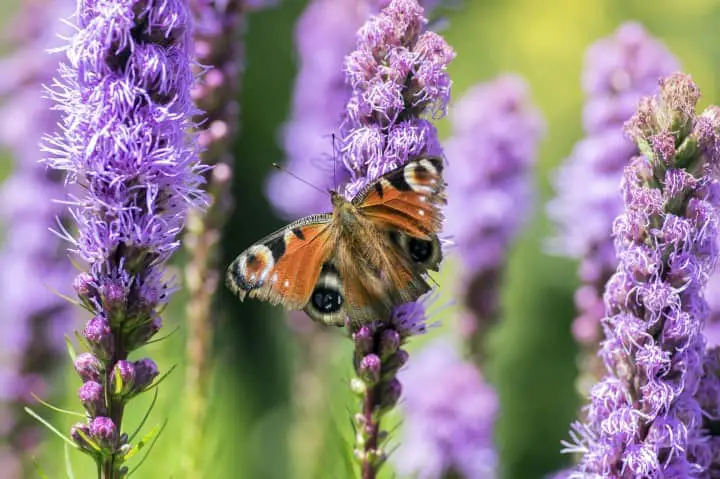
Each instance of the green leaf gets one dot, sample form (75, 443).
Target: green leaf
(175, 330)
(161, 379)
(65, 297)
(139, 446)
(118, 382)
(147, 414)
(55, 408)
(70, 348)
(51, 427)
(142, 442)
(68, 466)
(38, 469)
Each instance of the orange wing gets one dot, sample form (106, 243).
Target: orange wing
(408, 199)
(284, 267)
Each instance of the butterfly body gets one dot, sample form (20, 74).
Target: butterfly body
(359, 261)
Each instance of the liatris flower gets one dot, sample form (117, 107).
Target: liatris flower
(398, 77)
(33, 314)
(324, 35)
(491, 156)
(644, 419)
(708, 397)
(125, 99)
(618, 71)
(449, 415)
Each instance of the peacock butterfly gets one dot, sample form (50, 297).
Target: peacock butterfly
(367, 256)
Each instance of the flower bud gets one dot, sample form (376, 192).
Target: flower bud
(389, 343)
(145, 373)
(88, 367)
(369, 369)
(103, 430)
(122, 378)
(99, 336)
(92, 396)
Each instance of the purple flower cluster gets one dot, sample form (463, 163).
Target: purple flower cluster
(33, 314)
(125, 98)
(491, 156)
(449, 416)
(398, 75)
(644, 419)
(324, 35)
(619, 70)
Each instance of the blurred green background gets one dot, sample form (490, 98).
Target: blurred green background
(280, 406)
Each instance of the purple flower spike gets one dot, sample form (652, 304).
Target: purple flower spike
(124, 94)
(618, 71)
(399, 81)
(324, 35)
(449, 415)
(490, 194)
(645, 417)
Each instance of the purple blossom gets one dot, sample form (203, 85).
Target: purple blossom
(491, 157)
(398, 77)
(34, 266)
(449, 413)
(618, 71)
(324, 35)
(644, 418)
(124, 94)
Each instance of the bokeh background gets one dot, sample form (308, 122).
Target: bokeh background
(280, 405)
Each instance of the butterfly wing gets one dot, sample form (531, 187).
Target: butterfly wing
(408, 199)
(404, 209)
(284, 267)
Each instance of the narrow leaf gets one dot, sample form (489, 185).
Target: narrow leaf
(147, 453)
(51, 427)
(161, 378)
(68, 466)
(147, 415)
(38, 469)
(70, 348)
(175, 330)
(55, 408)
(142, 442)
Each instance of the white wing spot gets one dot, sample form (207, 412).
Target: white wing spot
(421, 212)
(423, 198)
(429, 166)
(274, 278)
(286, 283)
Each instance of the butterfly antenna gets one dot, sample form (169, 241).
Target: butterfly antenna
(335, 185)
(298, 178)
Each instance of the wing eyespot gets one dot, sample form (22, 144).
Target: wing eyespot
(422, 252)
(327, 301)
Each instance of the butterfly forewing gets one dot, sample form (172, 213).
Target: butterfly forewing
(284, 267)
(408, 199)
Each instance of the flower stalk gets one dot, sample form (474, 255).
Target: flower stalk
(219, 27)
(398, 75)
(124, 94)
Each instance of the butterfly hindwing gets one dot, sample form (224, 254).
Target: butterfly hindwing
(403, 207)
(284, 267)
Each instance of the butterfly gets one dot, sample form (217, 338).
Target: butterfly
(359, 261)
